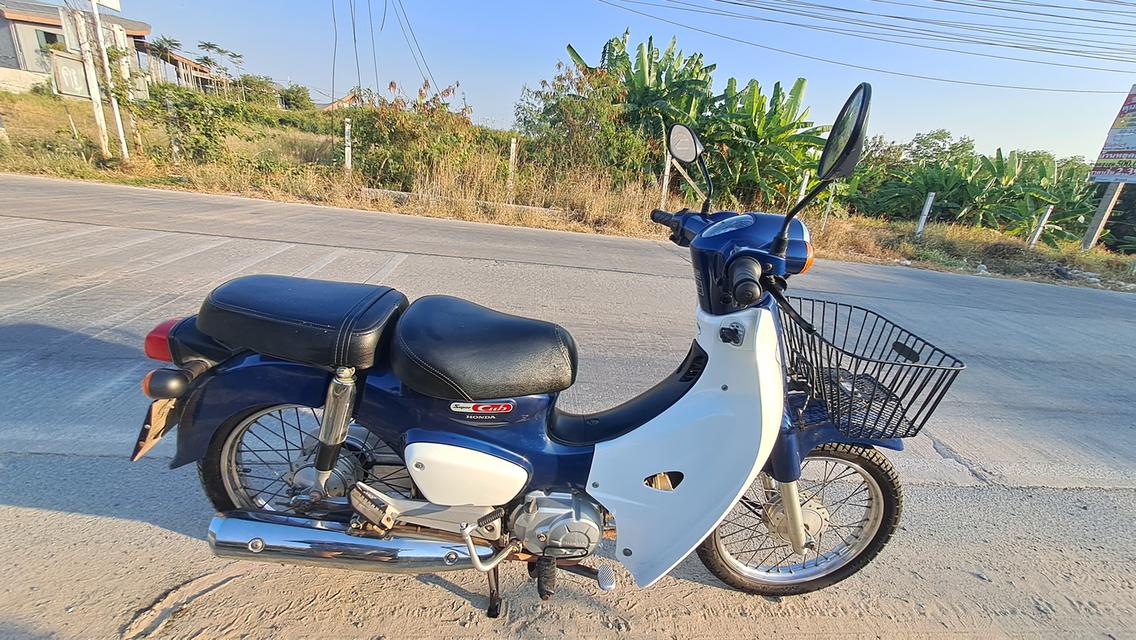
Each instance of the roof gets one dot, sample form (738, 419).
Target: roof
(173, 57)
(48, 14)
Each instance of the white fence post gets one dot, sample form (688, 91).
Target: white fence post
(510, 183)
(347, 144)
(666, 181)
(923, 216)
(1036, 235)
(827, 207)
(804, 186)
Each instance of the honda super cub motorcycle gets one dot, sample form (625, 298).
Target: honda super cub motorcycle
(334, 424)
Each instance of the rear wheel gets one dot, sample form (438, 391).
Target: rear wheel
(851, 501)
(257, 460)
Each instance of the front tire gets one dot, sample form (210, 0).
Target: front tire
(749, 550)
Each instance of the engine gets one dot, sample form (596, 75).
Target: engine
(558, 525)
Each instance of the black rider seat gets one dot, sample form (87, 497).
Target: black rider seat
(453, 349)
(317, 322)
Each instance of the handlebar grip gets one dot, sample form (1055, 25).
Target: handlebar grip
(745, 280)
(662, 217)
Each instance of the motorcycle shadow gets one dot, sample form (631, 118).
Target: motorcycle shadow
(64, 411)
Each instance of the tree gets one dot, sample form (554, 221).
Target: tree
(297, 97)
(258, 90)
(161, 49)
(939, 145)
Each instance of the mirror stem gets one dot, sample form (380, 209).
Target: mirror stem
(782, 241)
(709, 185)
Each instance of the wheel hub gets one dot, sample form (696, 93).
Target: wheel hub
(813, 514)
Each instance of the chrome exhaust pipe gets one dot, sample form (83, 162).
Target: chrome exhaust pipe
(272, 537)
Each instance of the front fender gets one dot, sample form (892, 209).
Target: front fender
(794, 444)
(239, 385)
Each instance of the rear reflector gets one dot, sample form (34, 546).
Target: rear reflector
(157, 343)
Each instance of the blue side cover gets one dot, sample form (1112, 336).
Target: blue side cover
(397, 415)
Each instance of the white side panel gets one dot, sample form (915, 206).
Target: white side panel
(718, 435)
(455, 476)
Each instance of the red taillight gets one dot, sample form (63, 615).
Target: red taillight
(157, 344)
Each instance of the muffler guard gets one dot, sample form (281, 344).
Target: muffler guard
(270, 537)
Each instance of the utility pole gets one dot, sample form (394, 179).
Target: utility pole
(109, 81)
(1093, 233)
(92, 81)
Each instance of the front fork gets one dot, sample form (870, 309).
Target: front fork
(784, 471)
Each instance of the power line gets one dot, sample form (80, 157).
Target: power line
(355, 43)
(1011, 36)
(1009, 39)
(374, 55)
(420, 54)
(857, 66)
(334, 48)
(867, 35)
(994, 7)
(408, 45)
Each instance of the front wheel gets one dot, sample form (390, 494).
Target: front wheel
(850, 501)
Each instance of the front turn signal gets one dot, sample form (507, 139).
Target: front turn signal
(809, 255)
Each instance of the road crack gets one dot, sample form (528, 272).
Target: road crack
(976, 470)
(151, 618)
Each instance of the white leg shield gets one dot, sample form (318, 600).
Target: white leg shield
(718, 436)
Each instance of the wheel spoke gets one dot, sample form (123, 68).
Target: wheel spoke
(262, 449)
(838, 490)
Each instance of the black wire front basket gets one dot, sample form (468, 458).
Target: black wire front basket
(874, 378)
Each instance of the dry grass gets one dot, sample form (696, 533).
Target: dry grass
(294, 166)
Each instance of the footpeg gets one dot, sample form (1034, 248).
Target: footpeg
(369, 504)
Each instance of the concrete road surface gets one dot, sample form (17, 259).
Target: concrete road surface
(1020, 493)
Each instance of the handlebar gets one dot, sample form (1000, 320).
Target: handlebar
(745, 280)
(662, 217)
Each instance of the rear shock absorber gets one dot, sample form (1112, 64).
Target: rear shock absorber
(336, 420)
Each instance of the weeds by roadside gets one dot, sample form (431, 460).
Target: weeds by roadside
(298, 166)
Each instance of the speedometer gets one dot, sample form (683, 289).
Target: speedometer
(728, 225)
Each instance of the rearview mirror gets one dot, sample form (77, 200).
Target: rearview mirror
(846, 139)
(683, 144)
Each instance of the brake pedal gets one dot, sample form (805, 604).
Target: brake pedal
(604, 575)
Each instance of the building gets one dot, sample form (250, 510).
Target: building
(35, 47)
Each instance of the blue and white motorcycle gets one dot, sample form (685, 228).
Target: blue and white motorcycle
(334, 424)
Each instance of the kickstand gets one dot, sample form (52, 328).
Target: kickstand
(494, 594)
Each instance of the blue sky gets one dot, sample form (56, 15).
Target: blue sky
(494, 48)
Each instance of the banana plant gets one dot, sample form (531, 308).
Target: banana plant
(762, 144)
(661, 86)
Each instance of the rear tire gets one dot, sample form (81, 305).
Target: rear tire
(873, 468)
(210, 467)
(255, 457)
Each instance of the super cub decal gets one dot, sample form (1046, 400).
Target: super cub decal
(482, 407)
